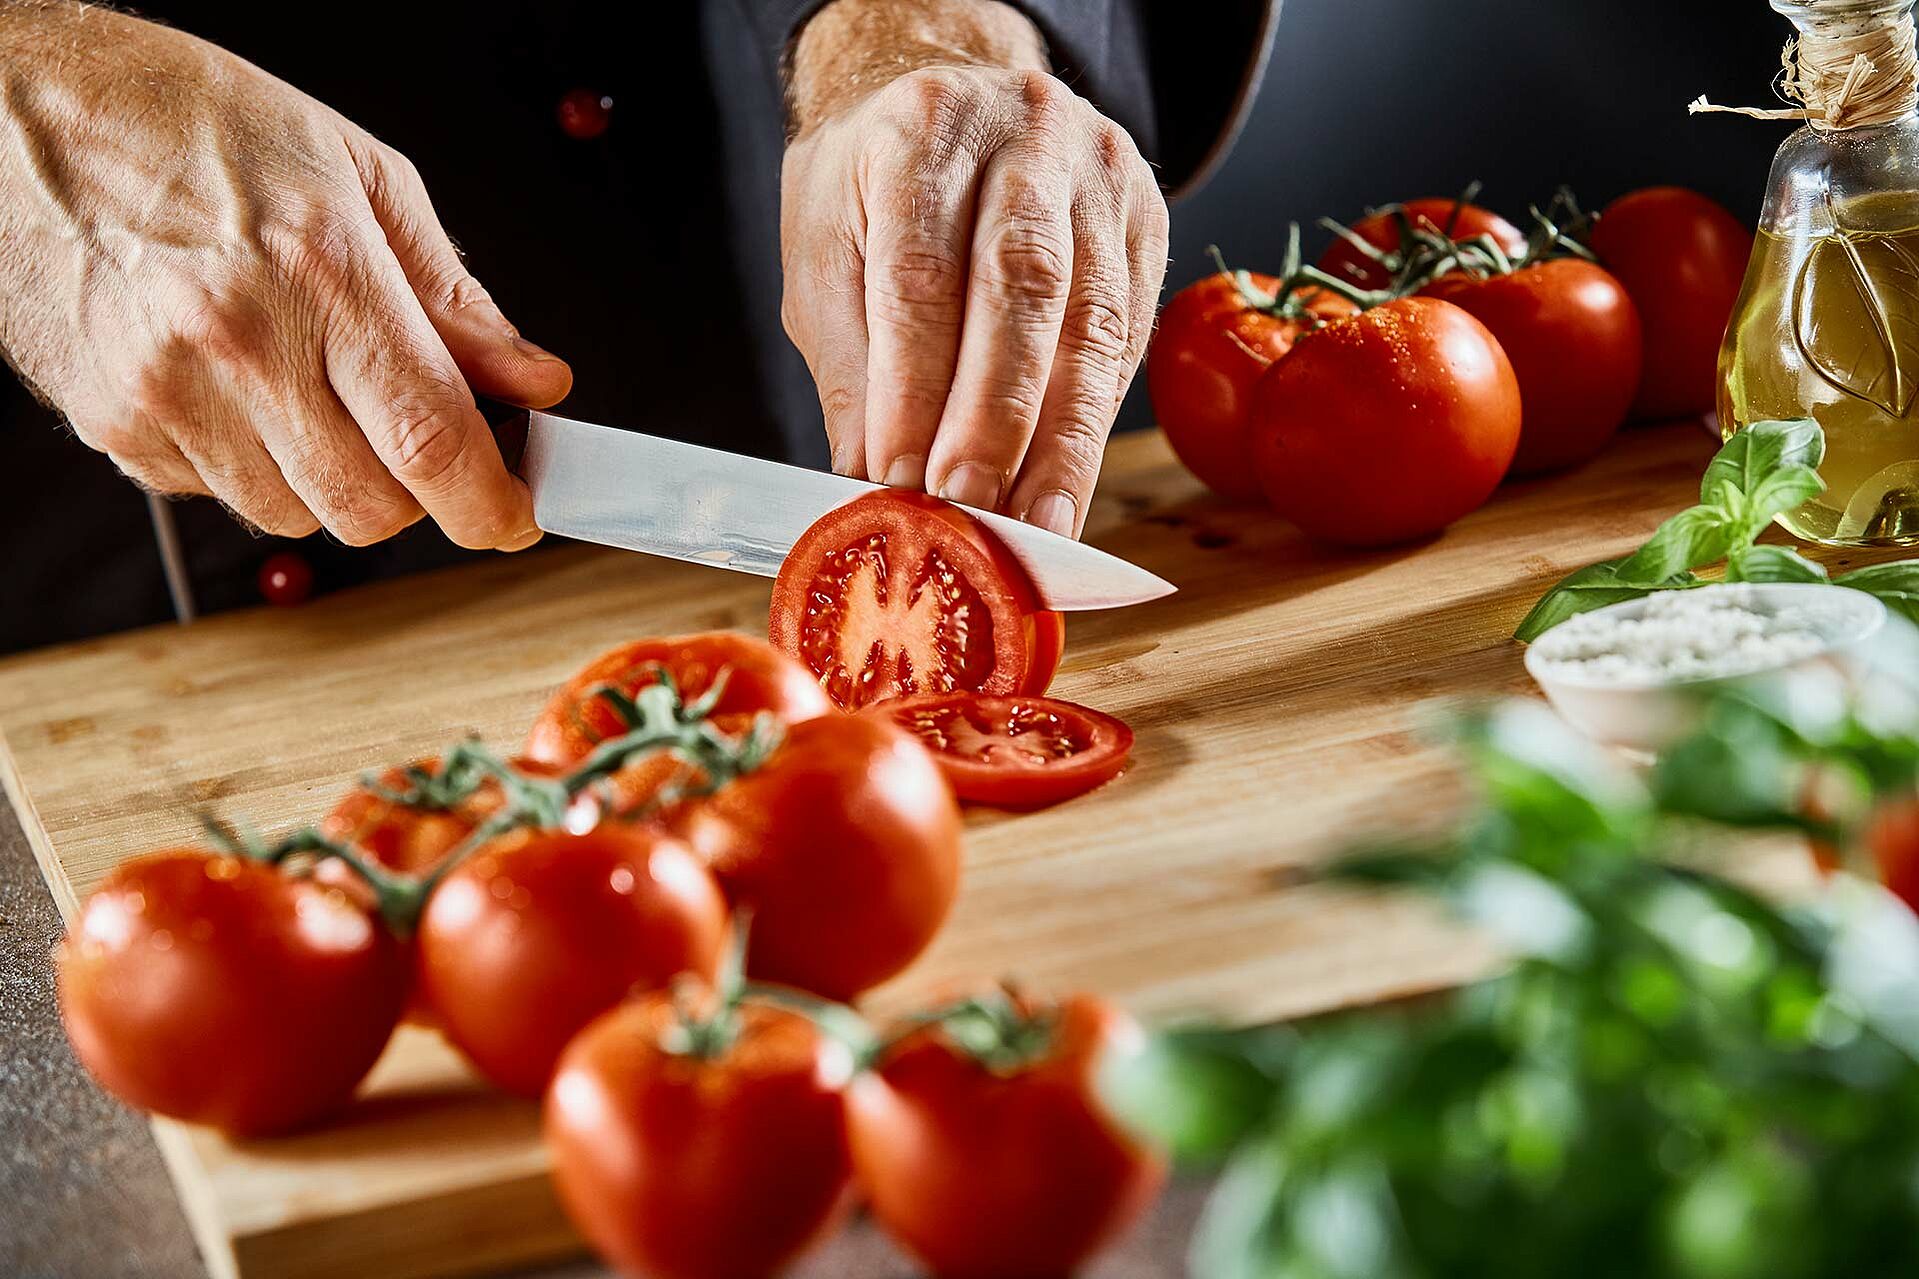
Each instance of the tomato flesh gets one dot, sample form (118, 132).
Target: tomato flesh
(899, 593)
(1015, 752)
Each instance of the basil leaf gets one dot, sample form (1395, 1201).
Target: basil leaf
(1594, 586)
(1697, 535)
(1897, 584)
(1778, 493)
(1771, 564)
(1744, 461)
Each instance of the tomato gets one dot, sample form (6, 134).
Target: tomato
(897, 593)
(1893, 838)
(1572, 336)
(1209, 348)
(412, 838)
(1683, 260)
(1455, 218)
(679, 1165)
(759, 679)
(286, 579)
(844, 845)
(538, 932)
(217, 990)
(1387, 426)
(1012, 1171)
(1014, 752)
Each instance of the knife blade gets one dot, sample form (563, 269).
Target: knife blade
(644, 493)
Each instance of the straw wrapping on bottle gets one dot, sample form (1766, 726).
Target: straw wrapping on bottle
(1846, 70)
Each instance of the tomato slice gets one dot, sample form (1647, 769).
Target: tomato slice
(898, 593)
(1015, 752)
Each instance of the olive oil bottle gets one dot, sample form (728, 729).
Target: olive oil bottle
(1827, 324)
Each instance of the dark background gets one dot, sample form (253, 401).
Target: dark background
(1364, 101)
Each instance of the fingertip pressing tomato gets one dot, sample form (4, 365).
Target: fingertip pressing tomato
(217, 990)
(897, 593)
(1683, 259)
(1573, 337)
(998, 1160)
(540, 931)
(683, 1160)
(1387, 426)
(1455, 218)
(1014, 752)
(759, 679)
(845, 846)
(1210, 346)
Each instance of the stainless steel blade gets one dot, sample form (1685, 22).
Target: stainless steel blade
(643, 493)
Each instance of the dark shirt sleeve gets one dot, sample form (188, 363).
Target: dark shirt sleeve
(1180, 87)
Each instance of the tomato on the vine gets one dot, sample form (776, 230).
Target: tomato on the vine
(1387, 426)
(217, 990)
(1209, 348)
(413, 837)
(1683, 259)
(1573, 337)
(1014, 752)
(1455, 218)
(538, 932)
(680, 1160)
(897, 593)
(845, 846)
(759, 679)
(992, 1156)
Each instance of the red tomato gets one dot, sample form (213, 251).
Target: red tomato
(1683, 259)
(539, 932)
(845, 845)
(1014, 752)
(681, 1166)
(1209, 348)
(1007, 1173)
(286, 579)
(1387, 426)
(1893, 837)
(759, 678)
(1381, 230)
(216, 990)
(897, 593)
(1572, 336)
(413, 838)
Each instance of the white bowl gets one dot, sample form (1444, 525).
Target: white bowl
(1860, 649)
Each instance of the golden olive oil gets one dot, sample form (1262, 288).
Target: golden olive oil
(1827, 327)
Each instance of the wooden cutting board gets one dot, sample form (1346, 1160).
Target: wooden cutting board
(1276, 700)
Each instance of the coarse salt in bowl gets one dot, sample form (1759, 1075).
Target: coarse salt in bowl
(1630, 674)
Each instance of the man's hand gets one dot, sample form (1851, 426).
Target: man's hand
(230, 289)
(972, 255)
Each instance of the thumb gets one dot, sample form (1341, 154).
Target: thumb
(489, 351)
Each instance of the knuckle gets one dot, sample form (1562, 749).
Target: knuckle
(1079, 446)
(838, 401)
(1030, 263)
(1043, 98)
(1114, 148)
(1010, 398)
(931, 101)
(920, 285)
(425, 436)
(317, 247)
(1098, 325)
(225, 326)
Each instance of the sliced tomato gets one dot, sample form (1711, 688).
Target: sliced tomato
(1015, 752)
(899, 593)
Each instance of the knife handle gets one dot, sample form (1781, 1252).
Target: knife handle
(509, 430)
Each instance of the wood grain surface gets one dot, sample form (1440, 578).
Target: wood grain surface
(1277, 700)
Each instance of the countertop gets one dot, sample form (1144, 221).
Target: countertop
(83, 1194)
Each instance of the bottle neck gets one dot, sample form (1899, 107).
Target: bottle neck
(1853, 64)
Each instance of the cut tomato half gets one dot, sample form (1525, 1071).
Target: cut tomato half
(897, 594)
(1015, 752)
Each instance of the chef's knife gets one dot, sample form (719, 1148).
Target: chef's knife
(643, 493)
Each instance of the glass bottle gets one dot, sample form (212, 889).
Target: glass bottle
(1827, 324)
